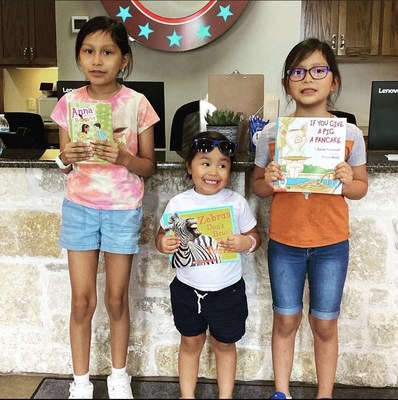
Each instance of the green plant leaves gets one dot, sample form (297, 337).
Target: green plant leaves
(220, 117)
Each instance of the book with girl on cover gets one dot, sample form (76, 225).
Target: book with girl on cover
(308, 149)
(90, 121)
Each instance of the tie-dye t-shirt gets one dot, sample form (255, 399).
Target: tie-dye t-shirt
(109, 186)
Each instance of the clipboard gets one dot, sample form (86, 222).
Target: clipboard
(237, 92)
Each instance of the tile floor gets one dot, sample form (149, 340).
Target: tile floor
(18, 386)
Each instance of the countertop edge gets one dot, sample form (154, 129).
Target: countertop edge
(375, 163)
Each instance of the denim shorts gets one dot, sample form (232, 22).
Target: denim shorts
(111, 231)
(326, 268)
(224, 311)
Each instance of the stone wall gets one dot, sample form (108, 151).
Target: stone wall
(35, 290)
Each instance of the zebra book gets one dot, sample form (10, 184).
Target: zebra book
(199, 232)
(88, 122)
(308, 149)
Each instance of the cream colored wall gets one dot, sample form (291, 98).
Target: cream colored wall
(21, 84)
(257, 43)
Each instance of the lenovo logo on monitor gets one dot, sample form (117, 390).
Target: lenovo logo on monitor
(383, 117)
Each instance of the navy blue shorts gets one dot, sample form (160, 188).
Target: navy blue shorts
(224, 311)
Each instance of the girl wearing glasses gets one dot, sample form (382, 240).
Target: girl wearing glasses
(208, 292)
(308, 233)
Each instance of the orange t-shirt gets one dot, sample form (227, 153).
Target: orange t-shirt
(309, 220)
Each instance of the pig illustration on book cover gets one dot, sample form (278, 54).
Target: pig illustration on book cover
(308, 149)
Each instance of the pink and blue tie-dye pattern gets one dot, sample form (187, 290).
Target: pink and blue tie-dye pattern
(108, 186)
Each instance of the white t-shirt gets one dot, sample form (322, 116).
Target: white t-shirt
(212, 277)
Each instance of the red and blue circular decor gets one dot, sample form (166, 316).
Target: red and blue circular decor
(176, 34)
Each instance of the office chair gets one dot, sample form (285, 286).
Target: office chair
(184, 126)
(29, 128)
(187, 122)
(342, 114)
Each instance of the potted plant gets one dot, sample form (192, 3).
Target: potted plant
(225, 122)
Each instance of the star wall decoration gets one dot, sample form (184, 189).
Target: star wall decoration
(175, 34)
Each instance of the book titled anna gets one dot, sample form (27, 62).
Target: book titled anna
(308, 149)
(200, 232)
(90, 121)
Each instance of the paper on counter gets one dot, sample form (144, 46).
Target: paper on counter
(49, 155)
(392, 157)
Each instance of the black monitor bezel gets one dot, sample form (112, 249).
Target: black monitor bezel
(374, 114)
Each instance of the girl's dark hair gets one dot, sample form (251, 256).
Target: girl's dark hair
(117, 31)
(206, 135)
(301, 51)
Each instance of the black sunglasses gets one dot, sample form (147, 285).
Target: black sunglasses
(205, 145)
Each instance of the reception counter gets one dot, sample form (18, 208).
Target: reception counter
(35, 294)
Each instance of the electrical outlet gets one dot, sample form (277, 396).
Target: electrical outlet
(31, 103)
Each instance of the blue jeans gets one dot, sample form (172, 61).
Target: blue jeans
(326, 268)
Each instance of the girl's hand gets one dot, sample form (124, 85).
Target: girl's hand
(344, 173)
(168, 244)
(76, 151)
(106, 150)
(272, 173)
(236, 243)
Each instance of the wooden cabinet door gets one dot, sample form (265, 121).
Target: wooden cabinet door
(1, 43)
(356, 29)
(42, 32)
(15, 32)
(359, 26)
(390, 28)
(320, 19)
(28, 32)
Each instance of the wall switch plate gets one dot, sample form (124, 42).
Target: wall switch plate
(31, 103)
(78, 22)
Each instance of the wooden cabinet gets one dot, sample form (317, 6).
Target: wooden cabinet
(28, 35)
(356, 30)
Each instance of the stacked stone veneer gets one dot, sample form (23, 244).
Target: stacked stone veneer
(35, 290)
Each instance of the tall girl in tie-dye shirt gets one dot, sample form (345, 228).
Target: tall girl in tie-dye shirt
(102, 209)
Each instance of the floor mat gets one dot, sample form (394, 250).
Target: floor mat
(167, 388)
(58, 388)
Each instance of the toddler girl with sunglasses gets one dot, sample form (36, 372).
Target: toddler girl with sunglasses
(208, 295)
(309, 234)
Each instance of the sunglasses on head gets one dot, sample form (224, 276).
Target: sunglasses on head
(205, 145)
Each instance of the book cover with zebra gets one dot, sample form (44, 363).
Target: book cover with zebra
(199, 232)
(308, 149)
(90, 121)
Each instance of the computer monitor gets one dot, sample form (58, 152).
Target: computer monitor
(153, 91)
(383, 117)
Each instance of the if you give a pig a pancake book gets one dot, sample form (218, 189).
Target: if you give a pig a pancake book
(308, 149)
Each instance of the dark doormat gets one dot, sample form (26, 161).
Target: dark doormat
(146, 388)
(167, 388)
